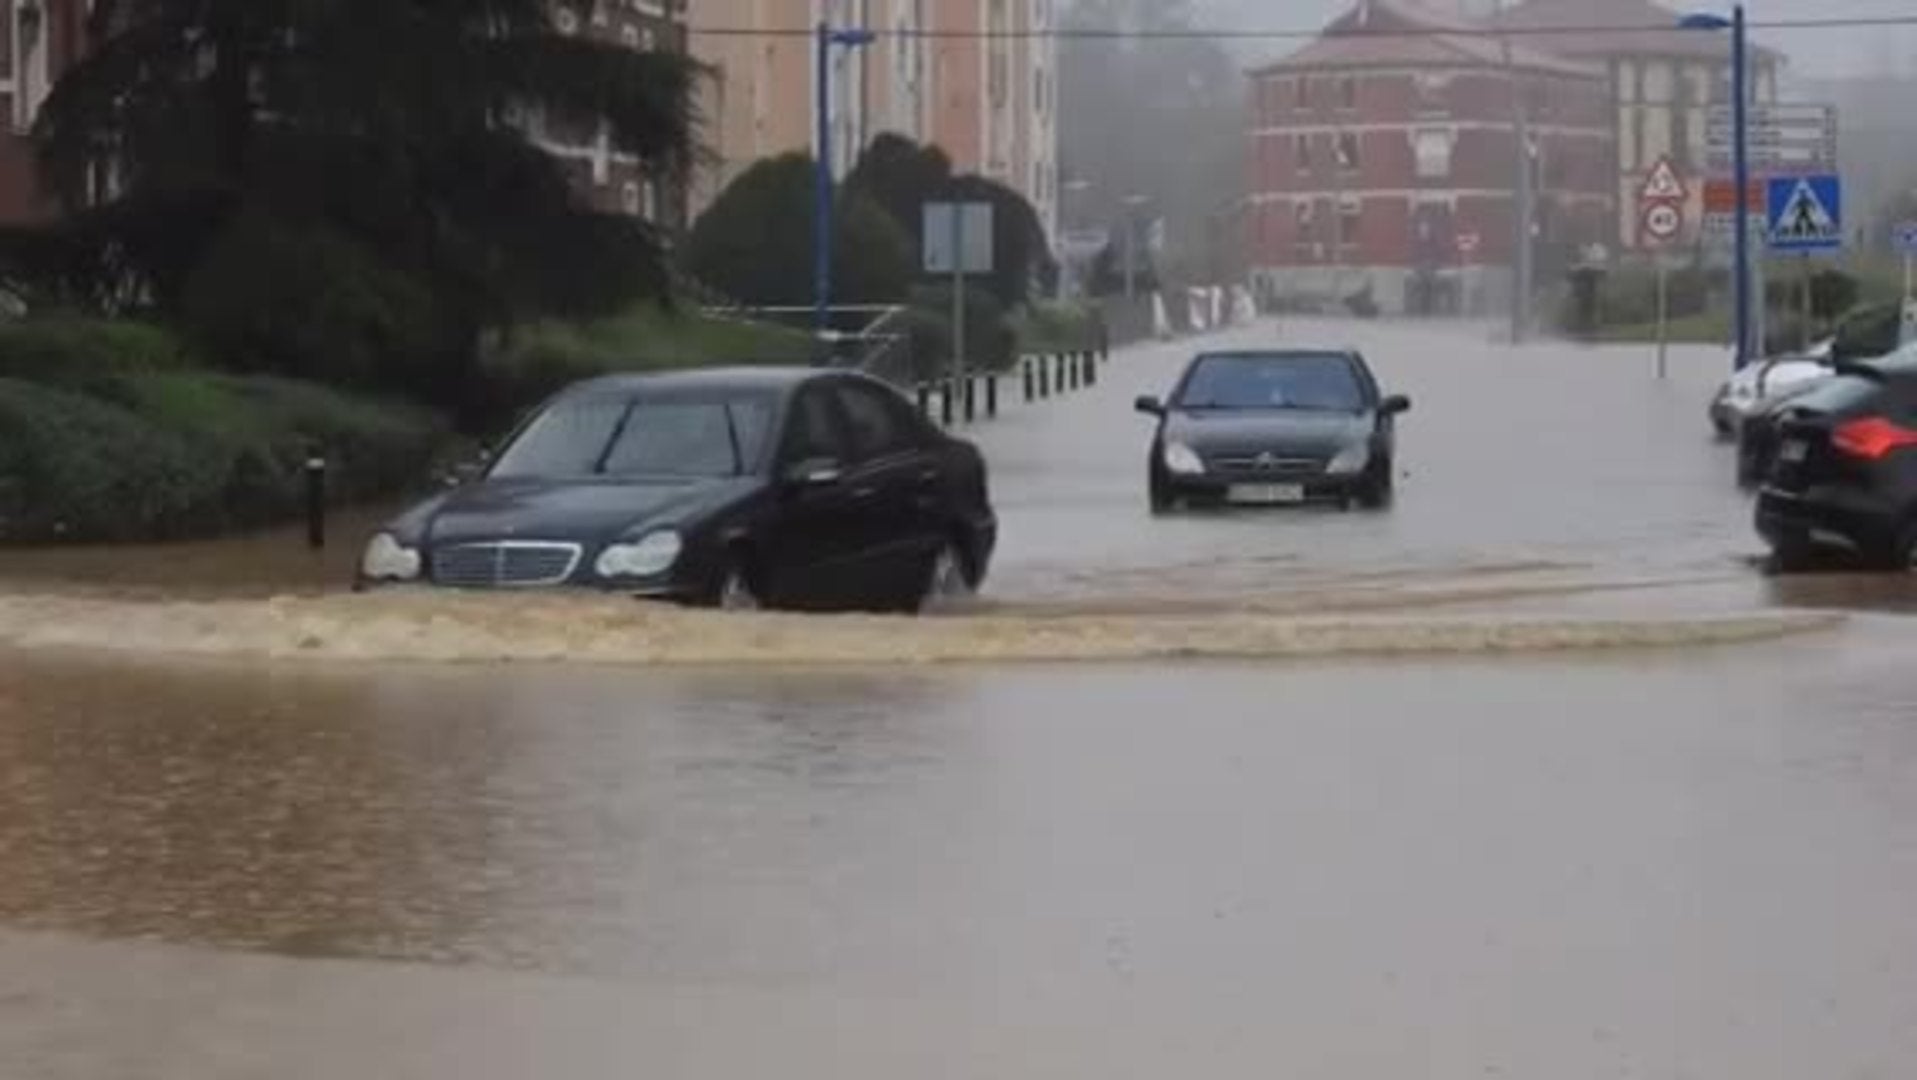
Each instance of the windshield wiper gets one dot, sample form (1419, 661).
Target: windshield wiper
(732, 435)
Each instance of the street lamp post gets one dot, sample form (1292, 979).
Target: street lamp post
(822, 181)
(1133, 203)
(1740, 163)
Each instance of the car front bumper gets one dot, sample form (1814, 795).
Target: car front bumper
(1214, 488)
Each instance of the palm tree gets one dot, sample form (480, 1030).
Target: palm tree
(394, 127)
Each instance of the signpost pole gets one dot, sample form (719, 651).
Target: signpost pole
(1741, 177)
(958, 293)
(1804, 286)
(1663, 317)
(1909, 257)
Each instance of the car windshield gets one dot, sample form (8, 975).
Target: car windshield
(1316, 381)
(618, 435)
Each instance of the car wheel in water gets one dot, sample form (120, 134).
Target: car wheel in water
(1902, 556)
(737, 591)
(1375, 492)
(1161, 498)
(947, 582)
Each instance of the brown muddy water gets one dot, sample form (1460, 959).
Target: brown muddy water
(1452, 791)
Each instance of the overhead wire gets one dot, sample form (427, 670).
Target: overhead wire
(1253, 34)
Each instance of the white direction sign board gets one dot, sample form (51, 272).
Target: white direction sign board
(1783, 137)
(958, 238)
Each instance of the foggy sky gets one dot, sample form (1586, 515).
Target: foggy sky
(1814, 54)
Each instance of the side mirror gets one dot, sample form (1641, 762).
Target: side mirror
(814, 473)
(1395, 405)
(1149, 405)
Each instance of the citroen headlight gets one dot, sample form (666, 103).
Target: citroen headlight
(1350, 461)
(386, 559)
(652, 555)
(1183, 460)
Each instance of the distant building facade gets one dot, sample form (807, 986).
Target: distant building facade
(977, 78)
(610, 178)
(1661, 84)
(39, 41)
(1384, 154)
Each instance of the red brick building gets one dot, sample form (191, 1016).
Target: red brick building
(39, 39)
(1383, 157)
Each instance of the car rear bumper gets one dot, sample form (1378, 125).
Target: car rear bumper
(1826, 518)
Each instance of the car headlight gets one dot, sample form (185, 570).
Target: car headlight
(1183, 460)
(1350, 461)
(386, 559)
(652, 555)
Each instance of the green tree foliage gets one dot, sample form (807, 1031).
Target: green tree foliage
(901, 176)
(755, 242)
(378, 136)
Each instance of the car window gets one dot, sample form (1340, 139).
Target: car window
(689, 438)
(1310, 381)
(813, 432)
(878, 421)
(622, 435)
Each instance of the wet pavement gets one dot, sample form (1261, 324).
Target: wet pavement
(824, 848)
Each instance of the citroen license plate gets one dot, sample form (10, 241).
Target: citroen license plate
(1265, 494)
(1793, 452)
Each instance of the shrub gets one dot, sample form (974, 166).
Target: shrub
(165, 455)
(989, 341)
(80, 353)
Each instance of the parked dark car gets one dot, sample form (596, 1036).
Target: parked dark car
(737, 488)
(1844, 476)
(1274, 427)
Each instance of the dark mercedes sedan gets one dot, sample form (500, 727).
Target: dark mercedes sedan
(737, 488)
(1274, 427)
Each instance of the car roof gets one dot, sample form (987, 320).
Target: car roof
(1347, 353)
(774, 378)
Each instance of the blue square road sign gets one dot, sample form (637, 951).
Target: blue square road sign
(1806, 213)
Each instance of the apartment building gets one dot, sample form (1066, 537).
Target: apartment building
(611, 179)
(1382, 156)
(977, 78)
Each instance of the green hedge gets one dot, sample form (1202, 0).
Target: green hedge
(176, 454)
(81, 353)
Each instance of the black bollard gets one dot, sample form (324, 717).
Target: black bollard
(946, 402)
(1071, 369)
(315, 500)
(971, 397)
(1044, 377)
(1025, 367)
(1090, 364)
(991, 396)
(925, 399)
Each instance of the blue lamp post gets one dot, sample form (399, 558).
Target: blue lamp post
(1740, 162)
(822, 184)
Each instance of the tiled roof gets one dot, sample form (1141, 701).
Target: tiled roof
(1394, 33)
(1583, 21)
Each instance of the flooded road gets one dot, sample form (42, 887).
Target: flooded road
(1532, 775)
(1681, 865)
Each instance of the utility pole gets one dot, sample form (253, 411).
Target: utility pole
(1522, 196)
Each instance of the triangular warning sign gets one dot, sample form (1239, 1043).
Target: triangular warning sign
(1662, 185)
(1804, 217)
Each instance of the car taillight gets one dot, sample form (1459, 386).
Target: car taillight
(1871, 438)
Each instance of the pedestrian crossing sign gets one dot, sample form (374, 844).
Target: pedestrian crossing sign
(1806, 213)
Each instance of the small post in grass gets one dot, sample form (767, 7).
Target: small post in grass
(315, 499)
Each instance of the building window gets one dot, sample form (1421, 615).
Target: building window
(1038, 91)
(1348, 151)
(1432, 150)
(629, 198)
(1301, 223)
(629, 36)
(1301, 152)
(567, 20)
(1347, 93)
(1303, 101)
(1433, 92)
(1350, 222)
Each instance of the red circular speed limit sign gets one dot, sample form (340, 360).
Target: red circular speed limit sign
(1663, 221)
